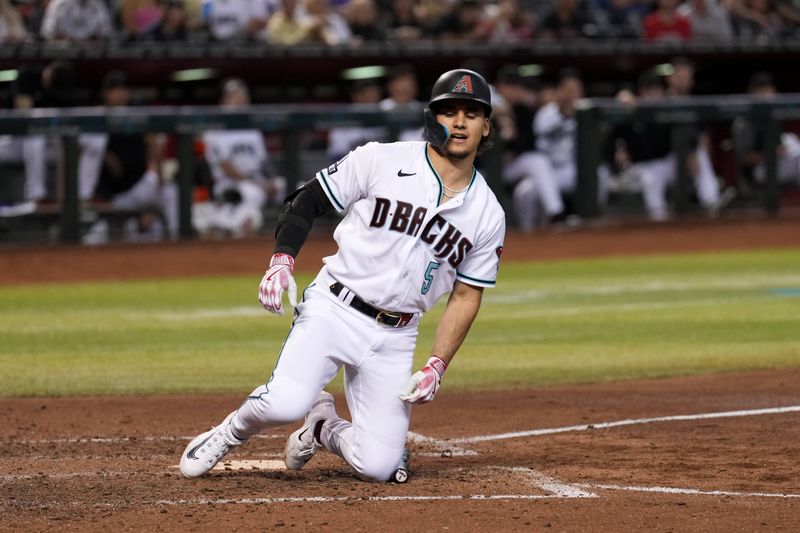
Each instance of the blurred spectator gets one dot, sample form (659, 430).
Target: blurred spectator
(709, 20)
(749, 140)
(76, 20)
(288, 26)
(244, 181)
(665, 24)
(30, 151)
(403, 21)
(52, 86)
(462, 23)
(790, 13)
(567, 20)
(341, 141)
(555, 129)
(402, 90)
(129, 177)
(756, 19)
(644, 150)
(623, 18)
(327, 26)
(12, 29)
(362, 16)
(172, 25)
(509, 22)
(523, 165)
(139, 17)
(680, 83)
(236, 19)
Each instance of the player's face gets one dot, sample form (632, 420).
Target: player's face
(467, 124)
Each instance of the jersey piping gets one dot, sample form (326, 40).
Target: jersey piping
(328, 192)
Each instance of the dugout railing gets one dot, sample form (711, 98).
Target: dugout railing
(186, 123)
(290, 121)
(595, 116)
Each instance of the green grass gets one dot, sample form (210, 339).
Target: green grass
(546, 323)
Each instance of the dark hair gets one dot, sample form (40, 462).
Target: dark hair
(568, 73)
(403, 69)
(509, 74)
(683, 62)
(114, 79)
(759, 80)
(649, 79)
(487, 142)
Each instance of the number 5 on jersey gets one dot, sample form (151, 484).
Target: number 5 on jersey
(426, 285)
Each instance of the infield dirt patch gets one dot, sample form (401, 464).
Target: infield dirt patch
(97, 463)
(110, 462)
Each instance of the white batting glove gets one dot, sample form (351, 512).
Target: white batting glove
(277, 279)
(422, 386)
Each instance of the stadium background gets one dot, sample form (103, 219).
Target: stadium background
(111, 355)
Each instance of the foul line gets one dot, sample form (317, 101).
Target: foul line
(627, 422)
(695, 492)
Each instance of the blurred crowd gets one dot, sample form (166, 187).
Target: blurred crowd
(351, 22)
(237, 177)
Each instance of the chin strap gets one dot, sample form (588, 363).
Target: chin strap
(435, 133)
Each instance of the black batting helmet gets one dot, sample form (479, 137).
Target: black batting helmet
(459, 84)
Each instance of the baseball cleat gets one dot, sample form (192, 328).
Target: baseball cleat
(207, 449)
(301, 445)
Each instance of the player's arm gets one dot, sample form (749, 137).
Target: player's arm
(294, 224)
(461, 310)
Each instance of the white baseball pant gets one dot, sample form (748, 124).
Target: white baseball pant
(327, 334)
(658, 174)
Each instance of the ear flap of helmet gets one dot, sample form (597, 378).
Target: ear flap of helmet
(435, 133)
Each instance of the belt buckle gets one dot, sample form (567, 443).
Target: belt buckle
(388, 314)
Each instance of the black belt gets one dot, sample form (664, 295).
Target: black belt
(386, 318)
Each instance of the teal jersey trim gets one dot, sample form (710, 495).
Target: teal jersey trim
(329, 191)
(488, 282)
(436, 174)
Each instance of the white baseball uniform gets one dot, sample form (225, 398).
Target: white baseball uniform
(229, 18)
(76, 20)
(400, 250)
(246, 151)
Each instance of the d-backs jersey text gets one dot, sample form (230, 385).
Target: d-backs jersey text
(417, 246)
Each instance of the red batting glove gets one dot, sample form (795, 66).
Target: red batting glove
(422, 386)
(277, 279)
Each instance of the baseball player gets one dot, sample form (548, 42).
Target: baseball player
(244, 180)
(420, 222)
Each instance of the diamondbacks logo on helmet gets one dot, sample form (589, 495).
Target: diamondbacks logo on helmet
(464, 85)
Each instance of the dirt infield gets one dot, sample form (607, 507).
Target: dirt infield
(101, 463)
(705, 453)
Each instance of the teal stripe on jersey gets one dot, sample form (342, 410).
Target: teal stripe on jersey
(438, 179)
(329, 191)
(487, 282)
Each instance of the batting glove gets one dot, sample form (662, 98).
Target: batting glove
(422, 386)
(277, 279)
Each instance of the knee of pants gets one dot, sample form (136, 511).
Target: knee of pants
(374, 461)
(282, 403)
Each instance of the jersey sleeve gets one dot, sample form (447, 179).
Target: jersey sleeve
(346, 181)
(480, 266)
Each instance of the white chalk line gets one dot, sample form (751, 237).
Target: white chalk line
(619, 423)
(444, 446)
(120, 440)
(692, 492)
(554, 488)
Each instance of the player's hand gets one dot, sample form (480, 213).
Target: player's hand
(422, 386)
(277, 279)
